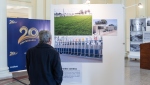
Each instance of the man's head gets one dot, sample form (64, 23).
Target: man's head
(45, 37)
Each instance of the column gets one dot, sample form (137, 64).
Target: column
(148, 8)
(4, 73)
(40, 9)
(117, 1)
(48, 8)
(74, 1)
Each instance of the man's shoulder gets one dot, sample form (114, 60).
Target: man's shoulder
(53, 50)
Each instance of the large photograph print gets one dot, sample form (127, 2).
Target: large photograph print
(138, 24)
(79, 48)
(72, 21)
(105, 27)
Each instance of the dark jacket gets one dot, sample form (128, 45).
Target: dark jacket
(44, 65)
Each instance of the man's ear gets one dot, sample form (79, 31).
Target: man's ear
(50, 40)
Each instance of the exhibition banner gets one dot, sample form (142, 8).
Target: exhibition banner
(22, 34)
(85, 39)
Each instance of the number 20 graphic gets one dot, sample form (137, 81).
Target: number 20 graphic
(27, 34)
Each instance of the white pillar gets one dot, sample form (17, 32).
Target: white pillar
(74, 1)
(117, 1)
(48, 9)
(40, 9)
(83, 1)
(4, 73)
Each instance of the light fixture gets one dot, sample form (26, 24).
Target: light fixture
(139, 5)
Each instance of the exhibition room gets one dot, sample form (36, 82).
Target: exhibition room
(99, 42)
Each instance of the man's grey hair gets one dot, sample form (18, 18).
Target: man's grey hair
(44, 36)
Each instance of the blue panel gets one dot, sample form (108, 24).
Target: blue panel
(22, 34)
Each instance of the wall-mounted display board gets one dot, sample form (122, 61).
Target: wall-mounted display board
(22, 34)
(90, 37)
(139, 33)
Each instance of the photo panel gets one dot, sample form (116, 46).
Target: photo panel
(72, 21)
(79, 48)
(148, 24)
(138, 24)
(135, 47)
(136, 36)
(105, 27)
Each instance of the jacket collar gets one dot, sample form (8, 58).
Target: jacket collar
(43, 45)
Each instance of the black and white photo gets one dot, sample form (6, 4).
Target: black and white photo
(136, 36)
(135, 47)
(138, 24)
(148, 22)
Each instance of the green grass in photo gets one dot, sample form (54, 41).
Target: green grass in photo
(73, 25)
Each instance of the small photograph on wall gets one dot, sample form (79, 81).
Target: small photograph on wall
(105, 27)
(72, 21)
(138, 24)
(135, 47)
(148, 22)
(146, 36)
(79, 48)
(136, 36)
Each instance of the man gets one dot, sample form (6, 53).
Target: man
(43, 62)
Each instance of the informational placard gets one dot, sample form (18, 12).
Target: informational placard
(72, 72)
(22, 34)
(146, 36)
